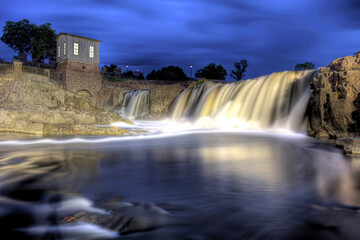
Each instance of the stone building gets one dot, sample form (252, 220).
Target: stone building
(77, 61)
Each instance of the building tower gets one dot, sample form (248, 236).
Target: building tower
(77, 61)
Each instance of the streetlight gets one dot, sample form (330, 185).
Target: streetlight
(190, 72)
(127, 68)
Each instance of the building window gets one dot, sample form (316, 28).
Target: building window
(91, 52)
(76, 49)
(64, 48)
(59, 51)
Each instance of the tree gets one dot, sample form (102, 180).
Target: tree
(128, 74)
(43, 42)
(240, 69)
(26, 37)
(18, 35)
(304, 66)
(111, 68)
(170, 73)
(212, 71)
(132, 75)
(152, 75)
(140, 76)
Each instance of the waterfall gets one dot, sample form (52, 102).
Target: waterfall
(278, 100)
(136, 104)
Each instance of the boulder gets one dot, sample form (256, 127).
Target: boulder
(129, 218)
(351, 146)
(334, 106)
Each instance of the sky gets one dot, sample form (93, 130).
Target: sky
(274, 35)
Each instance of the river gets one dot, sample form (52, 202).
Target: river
(221, 184)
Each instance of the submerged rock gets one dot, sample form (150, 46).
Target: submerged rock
(330, 221)
(351, 146)
(128, 218)
(334, 107)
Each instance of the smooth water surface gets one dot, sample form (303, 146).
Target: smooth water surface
(225, 185)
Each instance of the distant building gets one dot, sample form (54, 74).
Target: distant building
(77, 61)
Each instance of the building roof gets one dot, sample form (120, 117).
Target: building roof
(73, 35)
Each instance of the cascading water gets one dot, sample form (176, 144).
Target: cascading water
(277, 100)
(136, 104)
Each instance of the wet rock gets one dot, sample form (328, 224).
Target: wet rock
(57, 122)
(334, 107)
(81, 129)
(128, 218)
(351, 146)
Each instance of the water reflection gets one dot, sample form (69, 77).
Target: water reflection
(259, 186)
(55, 169)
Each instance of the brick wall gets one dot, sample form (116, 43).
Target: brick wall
(78, 76)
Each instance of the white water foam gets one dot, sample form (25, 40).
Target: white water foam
(158, 130)
(76, 231)
(68, 206)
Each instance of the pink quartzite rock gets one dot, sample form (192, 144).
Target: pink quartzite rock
(334, 107)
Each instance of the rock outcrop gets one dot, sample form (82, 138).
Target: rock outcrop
(351, 146)
(43, 108)
(334, 107)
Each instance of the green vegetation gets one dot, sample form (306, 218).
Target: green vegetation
(26, 37)
(171, 73)
(304, 66)
(201, 81)
(240, 69)
(212, 71)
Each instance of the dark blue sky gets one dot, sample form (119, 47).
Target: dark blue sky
(273, 35)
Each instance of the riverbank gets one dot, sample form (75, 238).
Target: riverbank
(44, 108)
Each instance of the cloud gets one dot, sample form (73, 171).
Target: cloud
(273, 35)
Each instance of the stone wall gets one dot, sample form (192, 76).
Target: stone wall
(15, 72)
(162, 95)
(334, 107)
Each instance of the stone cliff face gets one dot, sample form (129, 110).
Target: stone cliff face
(162, 95)
(28, 106)
(334, 107)
(36, 95)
